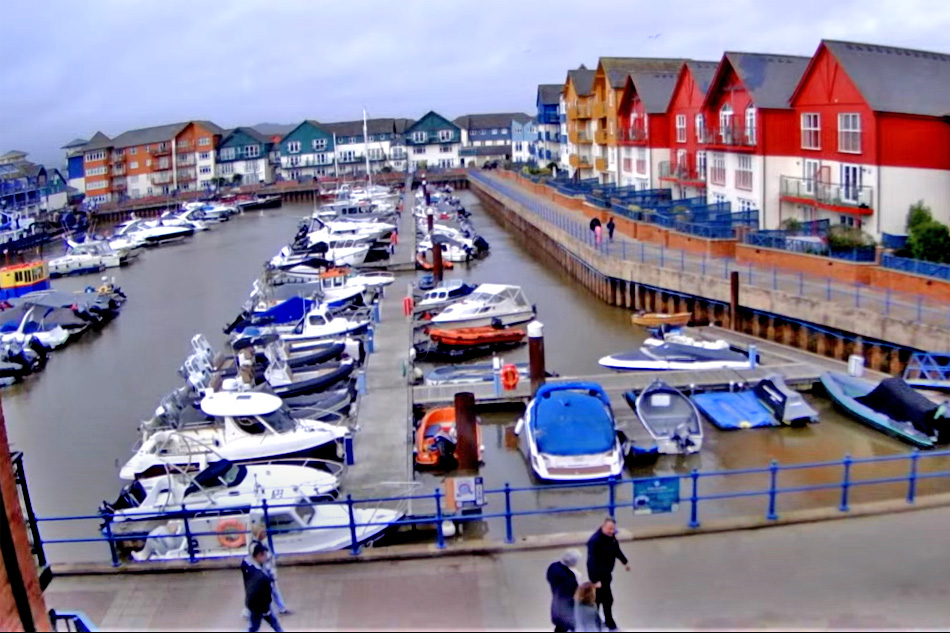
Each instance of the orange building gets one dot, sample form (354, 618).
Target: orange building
(578, 95)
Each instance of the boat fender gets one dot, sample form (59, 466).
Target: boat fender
(231, 533)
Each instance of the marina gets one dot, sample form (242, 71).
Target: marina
(388, 405)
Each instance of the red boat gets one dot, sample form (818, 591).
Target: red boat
(469, 336)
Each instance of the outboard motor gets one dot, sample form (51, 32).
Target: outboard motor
(240, 320)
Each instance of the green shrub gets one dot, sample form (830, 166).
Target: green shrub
(792, 225)
(930, 242)
(918, 215)
(841, 238)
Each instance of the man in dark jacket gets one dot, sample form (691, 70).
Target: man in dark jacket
(603, 551)
(257, 589)
(563, 580)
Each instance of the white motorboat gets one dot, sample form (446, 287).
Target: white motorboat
(446, 293)
(340, 251)
(111, 257)
(662, 356)
(319, 324)
(380, 232)
(195, 218)
(221, 486)
(568, 433)
(489, 304)
(670, 418)
(151, 235)
(51, 336)
(355, 211)
(212, 210)
(240, 427)
(75, 263)
(452, 250)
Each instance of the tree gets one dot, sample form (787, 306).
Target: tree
(918, 215)
(930, 242)
(236, 179)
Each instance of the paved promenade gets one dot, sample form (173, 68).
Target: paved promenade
(883, 572)
(849, 296)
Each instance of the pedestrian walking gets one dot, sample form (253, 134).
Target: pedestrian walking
(594, 223)
(603, 551)
(610, 229)
(563, 578)
(258, 592)
(259, 537)
(586, 616)
(598, 234)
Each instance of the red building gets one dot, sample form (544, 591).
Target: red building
(684, 169)
(873, 136)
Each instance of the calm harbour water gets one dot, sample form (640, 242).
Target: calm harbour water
(76, 422)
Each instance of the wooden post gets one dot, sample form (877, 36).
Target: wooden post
(734, 299)
(437, 262)
(536, 354)
(467, 434)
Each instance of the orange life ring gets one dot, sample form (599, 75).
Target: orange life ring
(231, 533)
(509, 377)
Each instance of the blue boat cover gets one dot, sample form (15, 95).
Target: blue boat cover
(740, 410)
(288, 311)
(572, 423)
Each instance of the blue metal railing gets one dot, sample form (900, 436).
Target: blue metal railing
(781, 240)
(902, 305)
(916, 266)
(928, 370)
(72, 621)
(841, 477)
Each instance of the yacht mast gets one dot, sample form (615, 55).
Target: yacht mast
(369, 173)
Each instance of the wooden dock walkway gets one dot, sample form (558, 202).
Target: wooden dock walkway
(384, 411)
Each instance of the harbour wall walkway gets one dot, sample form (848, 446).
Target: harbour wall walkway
(785, 309)
(830, 575)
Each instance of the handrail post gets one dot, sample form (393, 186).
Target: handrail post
(191, 545)
(612, 496)
(354, 542)
(773, 480)
(912, 478)
(845, 482)
(694, 500)
(115, 554)
(439, 535)
(270, 537)
(509, 528)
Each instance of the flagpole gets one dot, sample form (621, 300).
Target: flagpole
(369, 173)
(336, 165)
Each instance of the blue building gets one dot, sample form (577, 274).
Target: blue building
(547, 147)
(487, 137)
(524, 136)
(28, 188)
(433, 142)
(244, 156)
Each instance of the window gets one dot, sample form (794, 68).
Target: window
(133, 150)
(641, 160)
(811, 131)
(294, 161)
(347, 156)
(228, 153)
(851, 183)
(445, 135)
(97, 184)
(811, 170)
(746, 204)
(183, 144)
(700, 123)
(418, 150)
(627, 164)
(92, 156)
(682, 164)
(680, 128)
(420, 137)
(252, 151)
(750, 125)
(134, 165)
(504, 131)
(744, 173)
(849, 133)
(717, 172)
(227, 169)
(148, 162)
(205, 156)
(445, 149)
(204, 141)
(517, 147)
(249, 166)
(718, 197)
(319, 144)
(725, 122)
(204, 169)
(293, 147)
(95, 171)
(701, 164)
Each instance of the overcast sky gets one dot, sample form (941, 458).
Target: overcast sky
(68, 68)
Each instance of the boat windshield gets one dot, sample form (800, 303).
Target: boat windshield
(280, 420)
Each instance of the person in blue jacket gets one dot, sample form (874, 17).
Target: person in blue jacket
(563, 580)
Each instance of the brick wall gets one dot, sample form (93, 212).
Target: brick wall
(701, 246)
(838, 269)
(906, 282)
(652, 233)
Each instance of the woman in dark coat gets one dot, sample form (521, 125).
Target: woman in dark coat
(563, 580)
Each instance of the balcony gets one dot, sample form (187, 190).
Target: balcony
(160, 166)
(119, 185)
(579, 137)
(600, 164)
(830, 197)
(161, 179)
(600, 136)
(732, 136)
(579, 161)
(161, 151)
(599, 109)
(632, 136)
(118, 160)
(682, 174)
(187, 176)
(186, 160)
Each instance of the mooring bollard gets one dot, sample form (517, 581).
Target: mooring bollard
(496, 374)
(753, 356)
(466, 432)
(370, 340)
(376, 313)
(536, 354)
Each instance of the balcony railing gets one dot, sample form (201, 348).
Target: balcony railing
(185, 162)
(118, 160)
(600, 136)
(633, 135)
(729, 136)
(157, 151)
(827, 195)
(583, 111)
(600, 164)
(599, 109)
(187, 176)
(580, 137)
(162, 179)
(580, 161)
(119, 185)
(682, 173)
(157, 166)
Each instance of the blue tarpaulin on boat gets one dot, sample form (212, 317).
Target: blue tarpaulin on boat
(572, 423)
(288, 311)
(739, 410)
